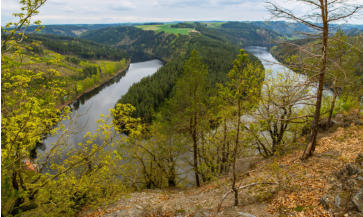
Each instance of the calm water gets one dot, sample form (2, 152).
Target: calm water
(87, 110)
(270, 63)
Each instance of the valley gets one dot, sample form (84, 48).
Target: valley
(162, 116)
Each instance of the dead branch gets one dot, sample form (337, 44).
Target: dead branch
(243, 187)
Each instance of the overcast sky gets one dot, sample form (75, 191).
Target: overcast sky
(118, 11)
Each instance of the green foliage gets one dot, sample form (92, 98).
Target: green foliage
(346, 103)
(89, 71)
(73, 60)
(124, 122)
(78, 47)
(190, 89)
(148, 94)
(141, 44)
(34, 82)
(68, 30)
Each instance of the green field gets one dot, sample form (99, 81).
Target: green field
(166, 28)
(215, 24)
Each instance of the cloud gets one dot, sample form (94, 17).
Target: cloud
(116, 11)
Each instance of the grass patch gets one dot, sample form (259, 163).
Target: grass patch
(215, 24)
(166, 28)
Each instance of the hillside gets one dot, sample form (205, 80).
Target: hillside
(78, 47)
(71, 73)
(148, 38)
(140, 44)
(70, 30)
(302, 188)
(285, 29)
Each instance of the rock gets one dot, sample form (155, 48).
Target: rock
(337, 201)
(346, 194)
(324, 125)
(245, 214)
(201, 213)
(349, 170)
(359, 159)
(358, 200)
(339, 117)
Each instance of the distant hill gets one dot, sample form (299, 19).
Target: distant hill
(295, 30)
(78, 47)
(285, 29)
(73, 30)
(166, 41)
(140, 44)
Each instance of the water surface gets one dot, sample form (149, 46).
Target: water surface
(87, 110)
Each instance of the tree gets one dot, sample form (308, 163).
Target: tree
(28, 10)
(151, 151)
(56, 182)
(340, 69)
(324, 12)
(281, 103)
(242, 91)
(188, 105)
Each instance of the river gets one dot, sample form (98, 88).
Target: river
(270, 63)
(88, 108)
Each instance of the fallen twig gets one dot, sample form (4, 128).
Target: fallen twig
(243, 187)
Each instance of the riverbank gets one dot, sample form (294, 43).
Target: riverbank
(88, 109)
(102, 82)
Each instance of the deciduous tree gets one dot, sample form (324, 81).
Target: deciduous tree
(321, 14)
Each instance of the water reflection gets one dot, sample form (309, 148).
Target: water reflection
(87, 110)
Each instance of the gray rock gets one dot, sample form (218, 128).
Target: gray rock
(358, 122)
(358, 200)
(346, 194)
(337, 201)
(245, 214)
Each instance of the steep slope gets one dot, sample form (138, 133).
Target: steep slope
(140, 44)
(78, 47)
(73, 75)
(301, 187)
(242, 33)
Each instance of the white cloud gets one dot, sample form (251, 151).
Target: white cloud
(105, 11)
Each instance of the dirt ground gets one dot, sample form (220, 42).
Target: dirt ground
(300, 186)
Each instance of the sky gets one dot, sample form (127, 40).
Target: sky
(121, 11)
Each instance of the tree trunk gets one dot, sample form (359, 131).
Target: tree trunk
(195, 149)
(224, 152)
(310, 148)
(235, 190)
(14, 181)
(332, 104)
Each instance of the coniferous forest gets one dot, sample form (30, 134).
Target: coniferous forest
(183, 118)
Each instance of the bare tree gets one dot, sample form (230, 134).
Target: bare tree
(322, 13)
(281, 104)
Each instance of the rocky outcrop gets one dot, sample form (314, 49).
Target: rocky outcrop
(345, 197)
